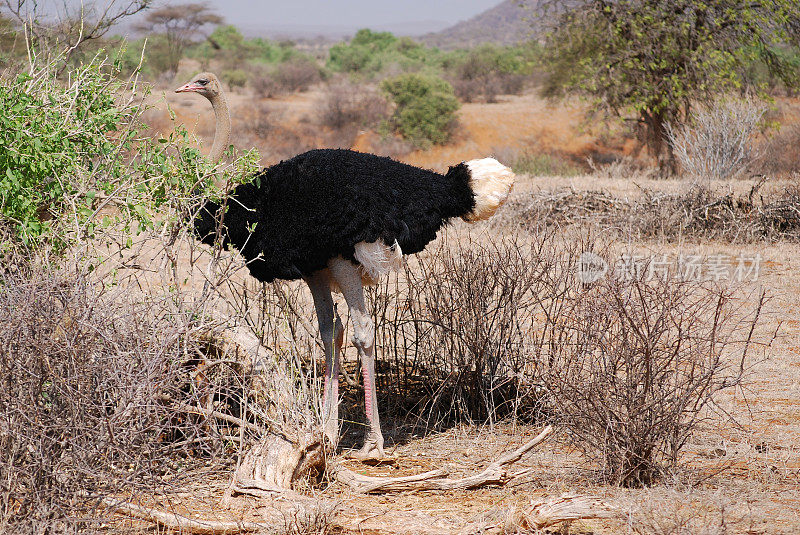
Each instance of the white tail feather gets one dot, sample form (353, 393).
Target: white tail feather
(377, 258)
(491, 182)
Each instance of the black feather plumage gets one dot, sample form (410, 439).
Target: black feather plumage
(319, 204)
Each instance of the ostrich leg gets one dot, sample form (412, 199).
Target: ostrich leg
(332, 332)
(349, 278)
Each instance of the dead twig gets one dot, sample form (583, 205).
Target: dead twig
(209, 413)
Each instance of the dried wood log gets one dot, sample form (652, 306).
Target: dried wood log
(494, 474)
(566, 508)
(278, 464)
(177, 522)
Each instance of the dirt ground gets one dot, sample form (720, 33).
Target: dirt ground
(738, 475)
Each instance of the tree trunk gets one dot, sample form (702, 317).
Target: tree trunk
(658, 142)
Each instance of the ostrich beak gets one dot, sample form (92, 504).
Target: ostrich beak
(191, 86)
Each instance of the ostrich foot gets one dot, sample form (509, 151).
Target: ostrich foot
(372, 453)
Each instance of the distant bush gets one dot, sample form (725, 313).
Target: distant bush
(372, 52)
(344, 58)
(346, 104)
(265, 86)
(296, 74)
(360, 54)
(235, 77)
(228, 45)
(426, 108)
(543, 164)
(782, 153)
(489, 70)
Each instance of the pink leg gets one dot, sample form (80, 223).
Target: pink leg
(332, 332)
(347, 275)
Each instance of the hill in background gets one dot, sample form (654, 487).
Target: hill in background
(507, 23)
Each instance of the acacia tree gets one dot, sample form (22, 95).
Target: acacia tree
(180, 24)
(655, 58)
(62, 32)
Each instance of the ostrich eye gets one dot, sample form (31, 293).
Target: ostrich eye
(202, 81)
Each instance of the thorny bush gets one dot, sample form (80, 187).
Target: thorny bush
(635, 362)
(88, 398)
(628, 365)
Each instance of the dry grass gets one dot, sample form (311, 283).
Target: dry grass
(696, 212)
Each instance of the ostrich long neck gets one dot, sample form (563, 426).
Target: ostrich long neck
(222, 132)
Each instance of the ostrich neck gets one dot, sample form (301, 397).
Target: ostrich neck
(222, 132)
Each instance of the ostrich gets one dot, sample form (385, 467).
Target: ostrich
(340, 219)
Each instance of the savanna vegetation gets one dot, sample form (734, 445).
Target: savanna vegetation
(138, 367)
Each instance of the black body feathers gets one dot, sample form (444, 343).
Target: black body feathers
(318, 205)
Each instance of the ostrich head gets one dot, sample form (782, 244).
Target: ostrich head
(205, 83)
(208, 85)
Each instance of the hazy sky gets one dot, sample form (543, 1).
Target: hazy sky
(402, 16)
(349, 13)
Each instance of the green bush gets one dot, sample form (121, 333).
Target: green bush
(44, 142)
(426, 108)
(227, 44)
(372, 52)
(73, 160)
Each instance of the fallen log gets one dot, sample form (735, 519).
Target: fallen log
(178, 522)
(278, 464)
(566, 508)
(494, 474)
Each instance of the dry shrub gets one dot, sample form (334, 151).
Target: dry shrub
(455, 338)
(471, 90)
(345, 104)
(637, 362)
(457, 330)
(629, 365)
(392, 145)
(615, 168)
(698, 212)
(292, 76)
(107, 392)
(297, 75)
(261, 122)
(782, 153)
(486, 88)
(87, 398)
(265, 86)
(717, 144)
(267, 129)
